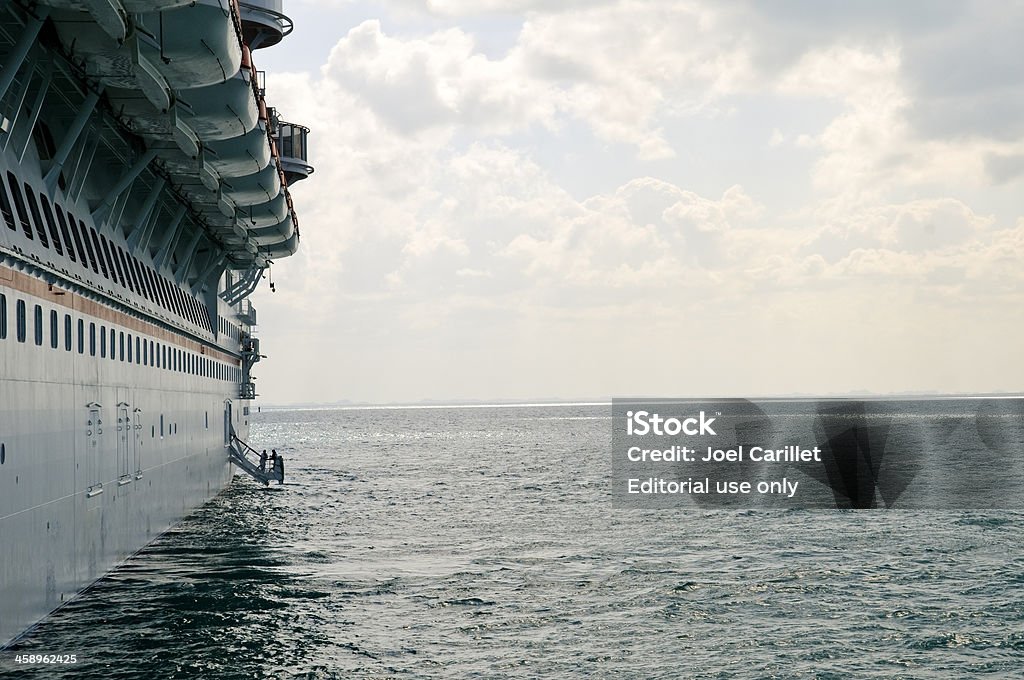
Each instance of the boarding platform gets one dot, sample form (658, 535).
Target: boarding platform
(248, 458)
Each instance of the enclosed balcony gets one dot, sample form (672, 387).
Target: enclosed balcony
(291, 146)
(263, 23)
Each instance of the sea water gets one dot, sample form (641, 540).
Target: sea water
(482, 542)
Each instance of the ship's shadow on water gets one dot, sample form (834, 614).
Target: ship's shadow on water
(211, 598)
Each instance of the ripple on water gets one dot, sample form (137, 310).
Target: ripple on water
(470, 551)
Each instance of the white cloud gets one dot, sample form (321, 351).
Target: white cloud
(440, 240)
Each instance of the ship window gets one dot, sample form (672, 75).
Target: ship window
(37, 325)
(81, 336)
(54, 234)
(138, 275)
(118, 254)
(88, 244)
(129, 263)
(19, 202)
(115, 269)
(103, 342)
(75, 236)
(152, 431)
(120, 338)
(113, 345)
(145, 353)
(127, 270)
(161, 426)
(5, 207)
(152, 354)
(137, 342)
(168, 293)
(130, 348)
(164, 289)
(99, 253)
(63, 228)
(152, 284)
(146, 290)
(207, 420)
(19, 316)
(67, 332)
(54, 329)
(34, 207)
(92, 339)
(3, 316)
(147, 282)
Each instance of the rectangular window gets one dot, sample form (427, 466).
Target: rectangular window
(81, 337)
(19, 314)
(63, 230)
(92, 339)
(145, 353)
(54, 329)
(67, 332)
(103, 342)
(34, 207)
(70, 226)
(99, 253)
(54, 235)
(19, 203)
(3, 312)
(8, 211)
(120, 338)
(115, 270)
(133, 281)
(37, 325)
(113, 345)
(88, 244)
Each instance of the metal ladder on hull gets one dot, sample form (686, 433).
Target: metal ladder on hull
(240, 456)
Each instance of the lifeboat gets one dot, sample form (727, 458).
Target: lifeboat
(186, 44)
(284, 249)
(277, 233)
(259, 187)
(215, 112)
(240, 156)
(263, 214)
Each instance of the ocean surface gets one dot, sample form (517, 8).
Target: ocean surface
(482, 543)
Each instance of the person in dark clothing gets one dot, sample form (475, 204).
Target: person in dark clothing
(279, 466)
(263, 461)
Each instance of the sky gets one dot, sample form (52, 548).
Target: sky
(517, 200)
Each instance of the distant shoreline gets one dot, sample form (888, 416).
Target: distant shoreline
(355, 406)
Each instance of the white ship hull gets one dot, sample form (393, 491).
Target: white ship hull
(138, 209)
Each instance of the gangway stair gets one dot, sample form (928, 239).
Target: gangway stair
(247, 458)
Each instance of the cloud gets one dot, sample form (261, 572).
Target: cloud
(453, 235)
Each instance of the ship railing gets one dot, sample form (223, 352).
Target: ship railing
(240, 451)
(284, 22)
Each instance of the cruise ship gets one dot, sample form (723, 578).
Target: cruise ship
(144, 191)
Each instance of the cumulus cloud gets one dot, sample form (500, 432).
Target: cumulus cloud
(442, 235)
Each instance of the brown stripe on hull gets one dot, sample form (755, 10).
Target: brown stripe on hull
(31, 285)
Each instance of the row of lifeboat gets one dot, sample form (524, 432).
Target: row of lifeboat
(179, 75)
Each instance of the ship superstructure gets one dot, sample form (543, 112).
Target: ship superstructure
(144, 193)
